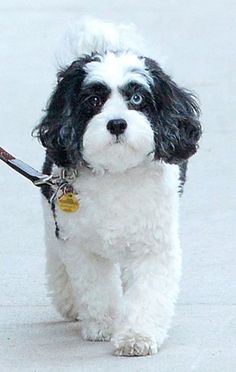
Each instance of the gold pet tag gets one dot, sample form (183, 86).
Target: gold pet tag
(68, 202)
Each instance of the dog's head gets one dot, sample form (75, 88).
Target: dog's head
(116, 111)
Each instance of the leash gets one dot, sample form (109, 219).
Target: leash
(36, 177)
(64, 194)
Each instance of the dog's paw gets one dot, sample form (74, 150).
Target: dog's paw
(92, 330)
(68, 311)
(134, 344)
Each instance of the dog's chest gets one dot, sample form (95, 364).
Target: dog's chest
(119, 209)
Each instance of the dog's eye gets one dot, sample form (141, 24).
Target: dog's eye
(136, 99)
(95, 101)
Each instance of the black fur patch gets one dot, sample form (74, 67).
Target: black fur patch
(182, 176)
(175, 120)
(132, 88)
(68, 112)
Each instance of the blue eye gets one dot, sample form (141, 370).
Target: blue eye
(136, 99)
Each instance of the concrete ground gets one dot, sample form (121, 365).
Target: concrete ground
(195, 42)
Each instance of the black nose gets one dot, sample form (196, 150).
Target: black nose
(117, 126)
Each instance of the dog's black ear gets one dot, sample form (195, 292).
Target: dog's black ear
(56, 130)
(177, 128)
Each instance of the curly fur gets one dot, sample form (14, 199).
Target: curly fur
(115, 264)
(173, 113)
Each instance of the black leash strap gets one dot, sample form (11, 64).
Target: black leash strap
(32, 174)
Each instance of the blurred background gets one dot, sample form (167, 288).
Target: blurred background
(194, 41)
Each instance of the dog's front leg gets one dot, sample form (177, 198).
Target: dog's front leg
(150, 286)
(97, 292)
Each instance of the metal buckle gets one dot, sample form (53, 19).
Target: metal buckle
(46, 180)
(52, 180)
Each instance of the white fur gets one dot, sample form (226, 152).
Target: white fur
(118, 70)
(118, 262)
(137, 143)
(135, 146)
(91, 35)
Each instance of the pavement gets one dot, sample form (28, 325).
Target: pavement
(195, 42)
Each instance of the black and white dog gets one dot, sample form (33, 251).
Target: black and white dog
(125, 130)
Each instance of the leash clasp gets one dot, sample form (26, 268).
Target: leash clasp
(44, 180)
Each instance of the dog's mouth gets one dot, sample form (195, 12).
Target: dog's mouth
(120, 139)
(122, 143)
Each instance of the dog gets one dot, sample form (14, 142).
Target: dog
(122, 131)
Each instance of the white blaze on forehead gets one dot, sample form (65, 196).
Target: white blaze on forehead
(118, 70)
